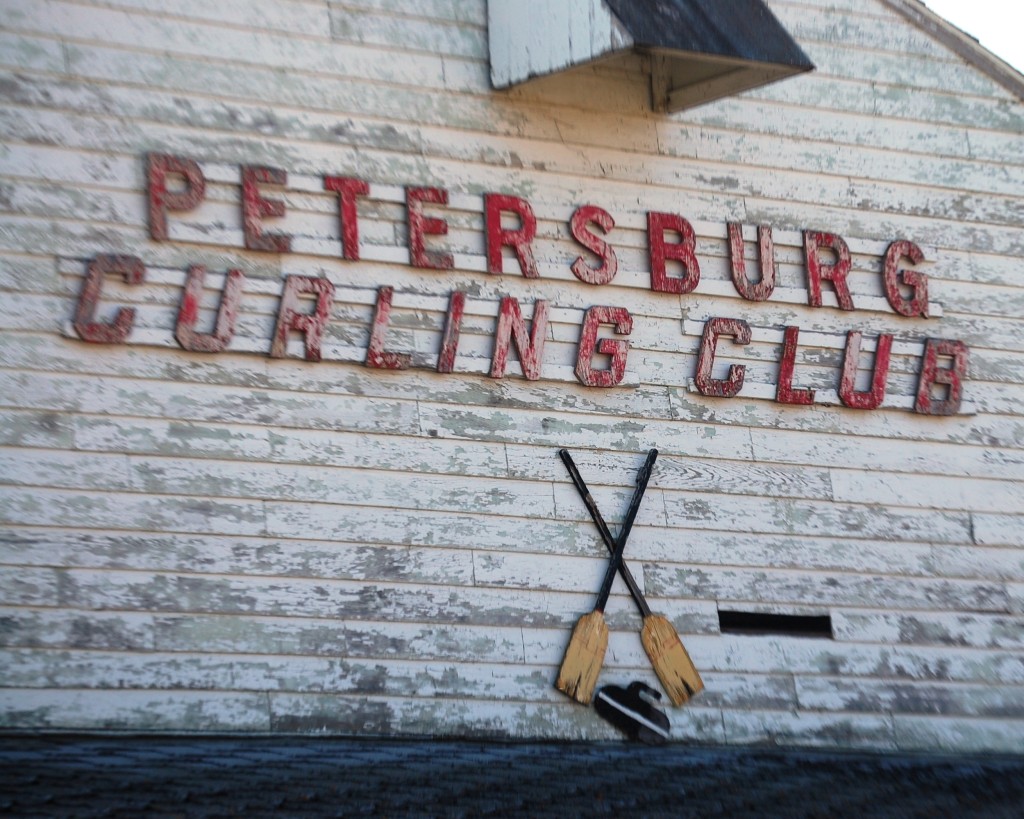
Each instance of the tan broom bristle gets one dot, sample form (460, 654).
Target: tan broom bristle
(584, 657)
(671, 663)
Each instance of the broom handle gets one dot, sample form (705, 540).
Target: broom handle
(643, 476)
(602, 528)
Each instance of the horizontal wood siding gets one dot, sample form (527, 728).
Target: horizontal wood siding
(230, 542)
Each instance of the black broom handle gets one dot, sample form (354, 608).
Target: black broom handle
(643, 476)
(602, 527)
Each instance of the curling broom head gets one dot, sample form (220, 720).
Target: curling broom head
(671, 663)
(583, 658)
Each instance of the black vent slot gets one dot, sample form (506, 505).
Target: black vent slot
(792, 625)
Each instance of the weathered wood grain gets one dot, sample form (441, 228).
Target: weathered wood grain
(22, 627)
(814, 657)
(21, 586)
(978, 561)
(826, 589)
(380, 716)
(798, 517)
(867, 696)
(36, 429)
(235, 556)
(299, 597)
(351, 639)
(929, 628)
(914, 733)
(998, 529)
(809, 730)
(34, 53)
(192, 711)
(350, 25)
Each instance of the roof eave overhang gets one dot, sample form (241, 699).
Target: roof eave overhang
(698, 50)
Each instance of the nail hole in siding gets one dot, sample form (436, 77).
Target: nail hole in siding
(792, 625)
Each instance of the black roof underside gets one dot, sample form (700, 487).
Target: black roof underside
(737, 29)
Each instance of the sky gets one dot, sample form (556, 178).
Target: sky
(997, 24)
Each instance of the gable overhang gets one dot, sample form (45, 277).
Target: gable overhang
(697, 50)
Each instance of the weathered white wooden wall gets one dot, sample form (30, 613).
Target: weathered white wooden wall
(227, 542)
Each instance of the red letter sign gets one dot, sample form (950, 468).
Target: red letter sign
(161, 200)
(290, 318)
(188, 312)
(519, 240)
(348, 189)
(375, 354)
(917, 304)
(931, 375)
(835, 273)
(784, 393)
(98, 332)
(511, 325)
(617, 349)
(255, 208)
(420, 226)
(684, 251)
(727, 387)
(609, 261)
(452, 329)
(872, 399)
(764, 288)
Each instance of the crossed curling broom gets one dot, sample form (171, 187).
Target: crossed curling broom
(584, 656)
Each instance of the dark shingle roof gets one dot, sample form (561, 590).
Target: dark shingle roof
(152, 776)
(737, 29)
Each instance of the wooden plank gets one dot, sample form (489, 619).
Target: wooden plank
(36, 429)
(835, 694)
(454, 10)
(199, 39)
(1016, 594)
(302, 18)
(63, 628)
(735, 692)
(208, 402)
(331, 485)
(31, 53)
(914, 733)
(578, 432)
(95, 670)
(914, 71)
(807, 656)
(195, 440)
(189, 711)
(29, 274)
(825, 589)
(929, 628)
(235, 555)
(809, 730)
(321, 714)
(673, 472)
(921, 491)
(349, 25)
(979, 562)
(21, 586)
(833, 552)
(858, 30)
(100, 510)
(539, 572)
(878, 454)
(300, 597)
(351, 639)
(68, 470)
(798, 517)
(998, 530)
